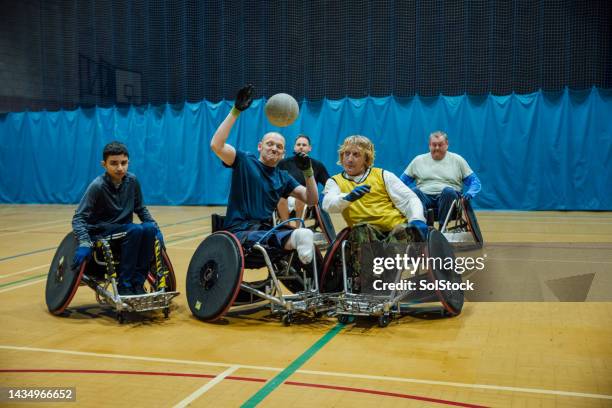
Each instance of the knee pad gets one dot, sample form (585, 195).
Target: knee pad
(302, 239)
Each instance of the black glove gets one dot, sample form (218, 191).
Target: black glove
(244, 97)
(303, 162)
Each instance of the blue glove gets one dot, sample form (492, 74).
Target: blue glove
(160, 237)
(408, 181)
(82, 253)
(421, 226)
(357, 193)
(472, 182)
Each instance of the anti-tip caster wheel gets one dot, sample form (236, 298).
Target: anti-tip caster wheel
(346, 319)
(384, 320)
(287, 319)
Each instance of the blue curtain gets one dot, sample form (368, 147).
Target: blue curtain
(539, 151)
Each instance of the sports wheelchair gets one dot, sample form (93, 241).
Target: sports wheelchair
(350, 286)
(460, 227)
(215, 284)
(100, 274)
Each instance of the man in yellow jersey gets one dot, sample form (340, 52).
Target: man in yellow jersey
(370, 195)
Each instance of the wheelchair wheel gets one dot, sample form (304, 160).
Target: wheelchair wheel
(62, 280)
(438, 247)
(171, 276)
(331, 274)
(472, 222)
(324, 222)
(214, 276)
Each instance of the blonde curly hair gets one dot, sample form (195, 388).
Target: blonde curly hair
(363, 143)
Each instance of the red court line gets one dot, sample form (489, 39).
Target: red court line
(236, 378)
(385, 393)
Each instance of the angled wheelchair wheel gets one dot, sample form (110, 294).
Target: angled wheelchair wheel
(156, 282)
(325, 224)
(472, 222)
(331, 274)
(171, 276)
(62, 280)
(438, 247)
(214, 276)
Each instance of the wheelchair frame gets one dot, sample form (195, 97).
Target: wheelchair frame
(383, 307)
(163, 283)
(307, 300)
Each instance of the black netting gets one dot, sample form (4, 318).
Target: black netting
(63, 54)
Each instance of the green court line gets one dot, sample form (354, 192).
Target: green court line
(22, 280)
(26, 254)
(292, 368)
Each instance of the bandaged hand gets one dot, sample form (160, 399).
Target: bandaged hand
(303, 162)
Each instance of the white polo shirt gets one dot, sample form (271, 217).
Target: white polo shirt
(432, 176)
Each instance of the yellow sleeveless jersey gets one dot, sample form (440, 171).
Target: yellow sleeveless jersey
(376, 207)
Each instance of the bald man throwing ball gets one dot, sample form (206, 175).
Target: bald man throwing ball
(258, 184)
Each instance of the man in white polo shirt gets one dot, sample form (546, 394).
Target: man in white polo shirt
(438, 177)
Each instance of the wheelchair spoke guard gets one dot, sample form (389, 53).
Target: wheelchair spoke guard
(438, 247)
(214, 276)
(472, 222)
(325, 223)
(331, 275)
(62, 281)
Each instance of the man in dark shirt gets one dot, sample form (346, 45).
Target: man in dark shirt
(302, 145)
(258, 184)
(107, 208)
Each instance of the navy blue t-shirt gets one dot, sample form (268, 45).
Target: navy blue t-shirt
(255, 191)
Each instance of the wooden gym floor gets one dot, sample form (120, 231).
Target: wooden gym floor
(500, 354)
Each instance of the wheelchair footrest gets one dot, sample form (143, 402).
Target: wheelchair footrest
(462, 236)
(305, 302)
(150, 301)
(360, 305)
